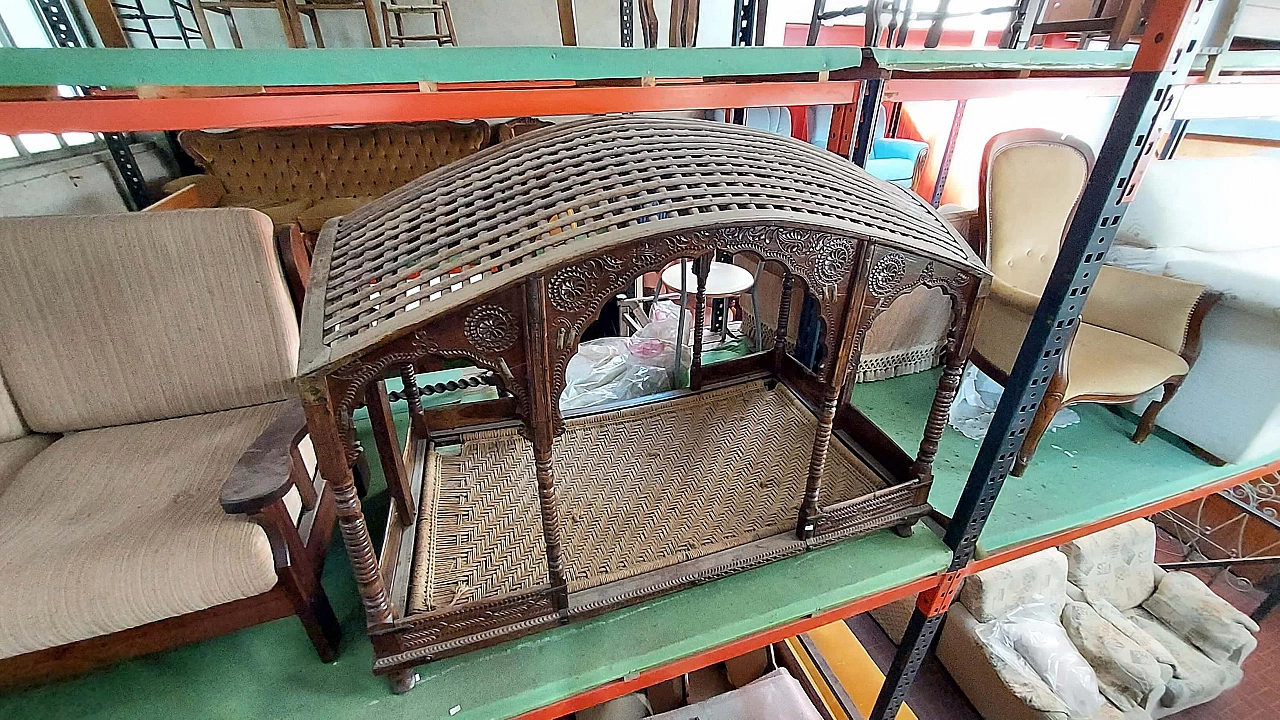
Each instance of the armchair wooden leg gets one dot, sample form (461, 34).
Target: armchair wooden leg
(1148, 421)
(320, 622)
(1039, 424)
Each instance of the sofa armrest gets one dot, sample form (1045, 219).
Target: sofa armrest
(1189, 608)
(996, 688)
(1129, 676)
(900, 148)
(1164, 311)
(270, 466)
(190, 191)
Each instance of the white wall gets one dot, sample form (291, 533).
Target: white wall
(83, 184)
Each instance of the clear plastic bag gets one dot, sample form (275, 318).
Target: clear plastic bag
(975, 405)
(1031, 637)
(616, 368)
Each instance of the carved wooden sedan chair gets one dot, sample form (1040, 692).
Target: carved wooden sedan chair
(509, 517)
(156, 485)
(1138, 331)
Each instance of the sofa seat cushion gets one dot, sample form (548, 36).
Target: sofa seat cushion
(314, 217)
(16, 453)
(1107, 362)
(110, 529)
(1128, 676)
(119, 319)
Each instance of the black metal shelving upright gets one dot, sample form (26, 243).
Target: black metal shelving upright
(1174, 30)
(64, 32)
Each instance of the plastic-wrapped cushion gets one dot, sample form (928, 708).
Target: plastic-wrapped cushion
(615, 368)
(1183, 203)
(1031, 635)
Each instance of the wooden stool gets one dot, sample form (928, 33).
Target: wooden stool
(724, 281)
(439, 12)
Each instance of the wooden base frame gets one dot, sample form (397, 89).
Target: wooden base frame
(257, 491)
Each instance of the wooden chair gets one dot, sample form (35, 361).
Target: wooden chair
(393, 14)
(156, 484)
(290, 11)
(1138, 331)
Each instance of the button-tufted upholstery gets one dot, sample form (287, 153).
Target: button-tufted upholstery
(288, 173)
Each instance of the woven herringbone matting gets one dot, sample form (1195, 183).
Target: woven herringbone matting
(640, 489)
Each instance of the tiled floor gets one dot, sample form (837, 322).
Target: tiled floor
(934, 696)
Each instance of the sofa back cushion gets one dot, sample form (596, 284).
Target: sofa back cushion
(11, 425)
(262, 167)
(1030, 183)
(1116, 564)
(1037, 578)
(1207, 204)
(117, 319)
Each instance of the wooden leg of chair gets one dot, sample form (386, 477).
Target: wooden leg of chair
(321, 624)
(903, 530)
(402, 681)
(1039, 424)
(1148, 421)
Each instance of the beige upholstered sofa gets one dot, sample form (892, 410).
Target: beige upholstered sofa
(1159, 642)
(308, 175)
(153, 489)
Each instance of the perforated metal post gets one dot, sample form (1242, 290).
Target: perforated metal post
(64, 33)
(1142, 116)
(626, 22)
(872, 92)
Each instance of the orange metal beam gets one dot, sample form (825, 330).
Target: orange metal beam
(1065, 536)
(915, 89)
(735, 648)
(278, 110)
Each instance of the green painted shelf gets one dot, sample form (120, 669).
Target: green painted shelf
(350, 66)
(1080, 474)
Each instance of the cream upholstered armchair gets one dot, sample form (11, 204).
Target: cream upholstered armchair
(1138, 331)
(1199, 639)
(155, 481)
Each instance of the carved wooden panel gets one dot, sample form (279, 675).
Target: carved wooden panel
(487, 334)
(892, 274)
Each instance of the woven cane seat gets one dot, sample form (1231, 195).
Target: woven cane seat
(640, 489)
(570, 190)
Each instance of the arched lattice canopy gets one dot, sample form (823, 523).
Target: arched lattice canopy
(492, 219)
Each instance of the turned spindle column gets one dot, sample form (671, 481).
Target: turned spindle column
(332, 462)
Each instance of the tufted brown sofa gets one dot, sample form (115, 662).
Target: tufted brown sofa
(307, 175)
